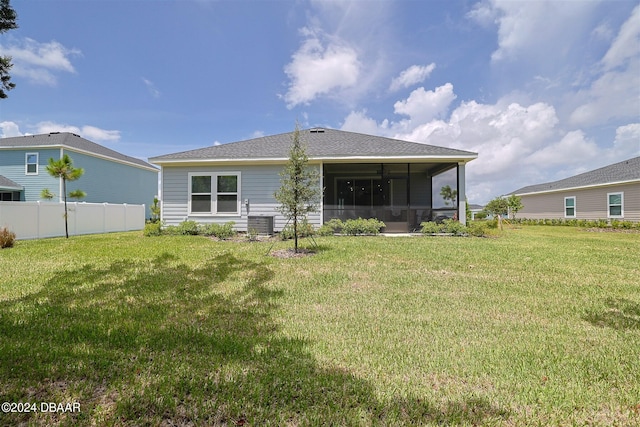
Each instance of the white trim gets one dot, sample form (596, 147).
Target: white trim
(582, 187)
(321, 160)
(26, 163)
(77, 150)
(214, 193)
(9, 189)
(621, 193)
(575, 210)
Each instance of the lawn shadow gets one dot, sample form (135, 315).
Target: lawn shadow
(620, 314)
(159, 342)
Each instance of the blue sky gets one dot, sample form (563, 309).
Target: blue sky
(541, 90)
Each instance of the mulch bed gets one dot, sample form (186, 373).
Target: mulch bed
(291, 253)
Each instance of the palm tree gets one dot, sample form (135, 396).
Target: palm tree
(64, 169)
(448, 194)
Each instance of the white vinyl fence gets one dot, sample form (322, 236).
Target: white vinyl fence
(34, 220)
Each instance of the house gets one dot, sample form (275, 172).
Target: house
(611, 192)
(475, 209)
(109, 176)
(364, 176)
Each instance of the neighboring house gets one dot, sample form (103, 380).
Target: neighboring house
(611, 192)
(475, 209)
(109, 177)
(362, 176)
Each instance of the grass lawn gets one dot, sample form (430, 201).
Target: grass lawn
(540, 326)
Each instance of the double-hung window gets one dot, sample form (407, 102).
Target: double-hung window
(31, 164)
(615, 205)
(214, 193)
(570, 207)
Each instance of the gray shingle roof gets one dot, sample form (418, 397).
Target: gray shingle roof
(320, 144)
(627, 170)
(72, 141)
(6, 183)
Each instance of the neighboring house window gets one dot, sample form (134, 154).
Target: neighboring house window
(215, 193)
(570, 207)
(9, 196)
(615, 205)
(31, 163)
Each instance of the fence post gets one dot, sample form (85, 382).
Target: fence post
(38, 220)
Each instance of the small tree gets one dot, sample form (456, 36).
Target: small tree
(497, 207)
(299, 191)
(64, 170)
(448, 194)
(155, 210)
(7, 22)
(514, 203)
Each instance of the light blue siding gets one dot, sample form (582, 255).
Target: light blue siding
(107, 181)
(258, 183)
(104, 181)
(13, 166)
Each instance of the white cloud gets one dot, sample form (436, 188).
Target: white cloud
(357, 121)
(321, 65)
(626, 45)
(573, 149)
(9, 129)
(615, 93)
(423, 105)
(627, 142)
(517, 144)
(483, 13)
(90, 132)
(39, 62)
(151, 87)
(412, 75)
(537, 30)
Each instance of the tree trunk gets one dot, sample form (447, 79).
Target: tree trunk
(295, 233)
(64, 192)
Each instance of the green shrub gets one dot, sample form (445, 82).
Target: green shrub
(188, 228)
(7, 238)
(152, 228)
(331, 227)
(353, 227)
(170, 230)
(480, 215)
(492, 223)
(430, 227)
(221, 231)
(454, 227)
(450, 226)
(305, 229)
(477, 228)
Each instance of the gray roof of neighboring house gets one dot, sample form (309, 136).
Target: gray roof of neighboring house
(320, 144)
(72, 141)
(627, 170)
(6, 183)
